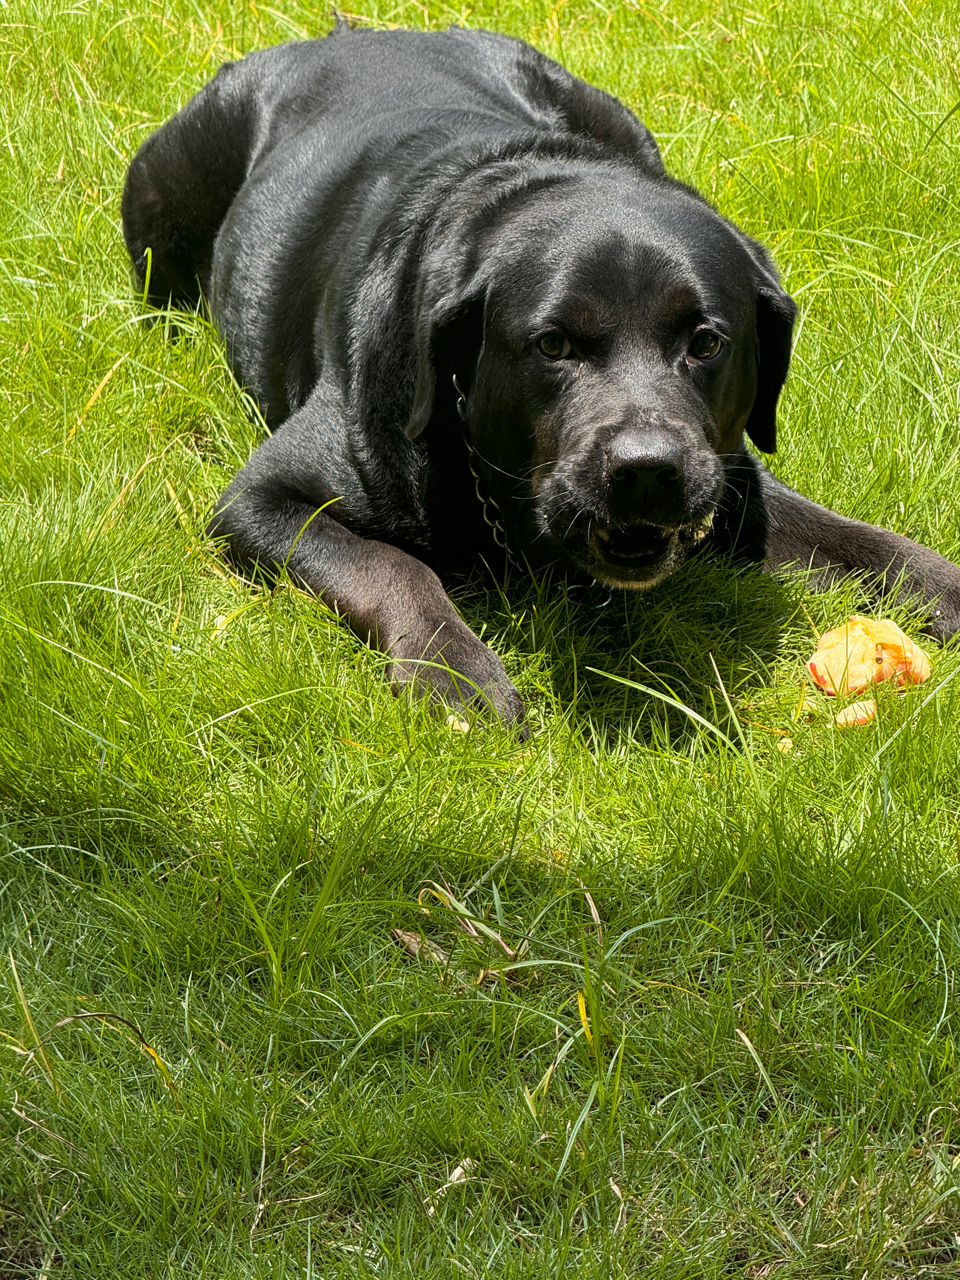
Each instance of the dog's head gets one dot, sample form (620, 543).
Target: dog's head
(614, 338)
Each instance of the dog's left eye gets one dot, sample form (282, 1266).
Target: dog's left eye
(554, 346)
(706, 345)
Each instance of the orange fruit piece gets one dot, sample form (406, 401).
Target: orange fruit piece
(856, 713)
(863, 652)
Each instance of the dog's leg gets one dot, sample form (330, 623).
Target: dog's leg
(272, 517)
(802, 533)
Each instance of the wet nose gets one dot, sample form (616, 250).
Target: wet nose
(645, 471)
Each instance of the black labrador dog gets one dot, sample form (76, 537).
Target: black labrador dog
(477, 314)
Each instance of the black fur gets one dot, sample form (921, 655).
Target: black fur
(433, 255)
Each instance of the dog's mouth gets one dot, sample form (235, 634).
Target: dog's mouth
(633, 546)
(640, 554)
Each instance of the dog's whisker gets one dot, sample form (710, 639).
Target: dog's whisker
(493, 465)
(573, 522)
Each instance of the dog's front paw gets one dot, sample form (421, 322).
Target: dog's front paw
(449, 664)
(943, 620)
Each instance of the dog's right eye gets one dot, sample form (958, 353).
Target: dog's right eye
(554, 346)
(706, 345)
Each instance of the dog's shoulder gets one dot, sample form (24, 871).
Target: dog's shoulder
(531, 84)
(567, 104)
(459, 67)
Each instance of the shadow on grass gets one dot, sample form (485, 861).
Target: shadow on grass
(709, 619)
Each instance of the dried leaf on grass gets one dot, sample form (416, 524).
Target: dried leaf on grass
(462, 1173)
(418, 946)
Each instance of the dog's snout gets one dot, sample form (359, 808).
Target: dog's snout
(645, 467)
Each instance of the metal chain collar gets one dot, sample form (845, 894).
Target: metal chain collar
(494, 516)
(491, 508)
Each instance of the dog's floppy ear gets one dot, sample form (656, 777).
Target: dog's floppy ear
(776, 312)
(447, 346)
(448, 335)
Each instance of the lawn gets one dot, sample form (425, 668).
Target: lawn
(296, 980)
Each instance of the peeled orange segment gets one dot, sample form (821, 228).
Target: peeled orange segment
(863, 652)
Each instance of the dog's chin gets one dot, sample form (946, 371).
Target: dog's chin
(638, 556)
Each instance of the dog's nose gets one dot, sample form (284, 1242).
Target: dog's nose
(645, 470)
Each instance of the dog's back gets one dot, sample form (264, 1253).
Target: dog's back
(186, 176)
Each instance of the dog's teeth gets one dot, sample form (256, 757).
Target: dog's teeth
(603, 535)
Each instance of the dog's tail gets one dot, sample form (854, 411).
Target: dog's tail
(180, 185)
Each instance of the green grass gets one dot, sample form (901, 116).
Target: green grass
(215, 814)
